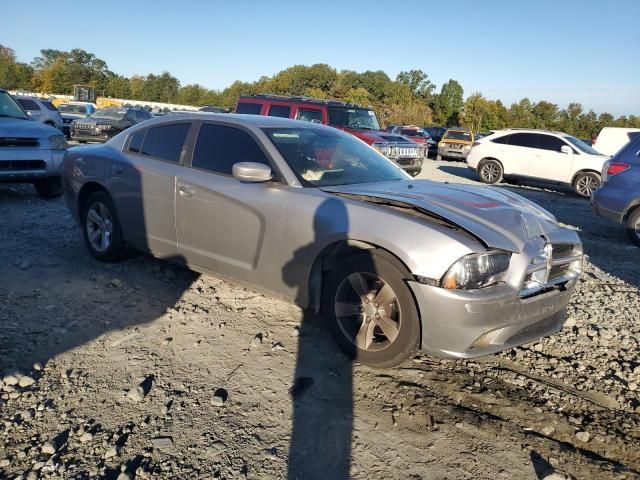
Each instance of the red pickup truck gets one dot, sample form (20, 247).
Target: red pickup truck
(359, 121)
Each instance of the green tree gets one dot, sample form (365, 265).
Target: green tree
(448, 104)
(544, 115)
(418, 82)
(13, 74)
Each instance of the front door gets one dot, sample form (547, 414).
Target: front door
(550, 162)
(225, 225)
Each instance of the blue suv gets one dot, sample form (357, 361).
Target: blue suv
(618, 198)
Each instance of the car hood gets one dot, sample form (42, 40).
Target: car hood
(499, 218)
(73, 116)
(14, 127)
(89, 121)
(376, 136)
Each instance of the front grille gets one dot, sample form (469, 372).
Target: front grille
(18, 142)
(556, 264)
(562, 249)
(536, 330)
(405, 151)
(22, 165)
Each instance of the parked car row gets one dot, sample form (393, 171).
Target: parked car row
(359, 121)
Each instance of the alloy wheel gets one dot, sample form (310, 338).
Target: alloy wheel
(367, 311)
(586, 185)
(99, 226)
(490, 172)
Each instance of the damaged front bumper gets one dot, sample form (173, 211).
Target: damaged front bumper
(470, 323)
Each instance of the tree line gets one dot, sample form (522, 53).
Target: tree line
(409, 99)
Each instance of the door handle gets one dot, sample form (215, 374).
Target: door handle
(117, 169)
(186, 191)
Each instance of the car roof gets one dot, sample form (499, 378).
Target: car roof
(30, 97)
(529, 130)
(458, 129)
(258, 121)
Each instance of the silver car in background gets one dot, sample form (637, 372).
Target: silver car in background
(30, 152)
(41, 110)
(310, 213)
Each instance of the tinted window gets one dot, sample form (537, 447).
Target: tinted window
(309, 115)
(503, 140)
(28, 104)
(50, 106)
(165, 142)
(524, 140)
(250, 108)
(219, 147)
(547, 142)
(136, 141)
(279, 111)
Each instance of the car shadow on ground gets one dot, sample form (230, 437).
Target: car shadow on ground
(45, 268)
(605, 242)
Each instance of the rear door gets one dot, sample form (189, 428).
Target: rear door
(549, 162)
(31, 107)
(517, 153)
(310, 113)
(142, 182)
(224, 225)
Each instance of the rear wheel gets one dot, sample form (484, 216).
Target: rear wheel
(371, 312)
(633, 226)
(490, 171)
(101, 228)
(49, 187)
(586, 183)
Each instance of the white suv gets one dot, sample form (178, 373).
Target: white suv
(537, 154)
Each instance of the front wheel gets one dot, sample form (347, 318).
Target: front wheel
(101, 228)
(49, 187)
(491, 172)
(371, 312)
(586, 183)
(633, 226)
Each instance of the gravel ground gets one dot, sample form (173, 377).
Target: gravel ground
(144, 370)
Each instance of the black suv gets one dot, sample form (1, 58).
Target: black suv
(105, 123)
(436, 133)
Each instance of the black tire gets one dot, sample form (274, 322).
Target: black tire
(116, 247)
(49, 187)
(490, 172)
(391, 272)
(633, 226)
(585, 183)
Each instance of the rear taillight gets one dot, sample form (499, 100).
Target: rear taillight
(609, 169)
(614, 168)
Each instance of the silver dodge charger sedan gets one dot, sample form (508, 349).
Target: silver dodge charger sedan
(309, 213)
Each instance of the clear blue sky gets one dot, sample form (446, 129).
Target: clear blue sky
(560, 50)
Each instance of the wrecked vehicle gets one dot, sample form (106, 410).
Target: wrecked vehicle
(311, 213)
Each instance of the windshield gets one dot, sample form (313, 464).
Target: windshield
(412, 132)
(9, 108)
(70, 108)
(457, 135)
(580, 145)
(353, 118)
(322, 158)
(111, 113)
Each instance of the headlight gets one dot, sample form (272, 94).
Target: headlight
(57, 142)
(477, 270)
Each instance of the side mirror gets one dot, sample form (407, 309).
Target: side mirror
(252, 172)
(566, 149)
